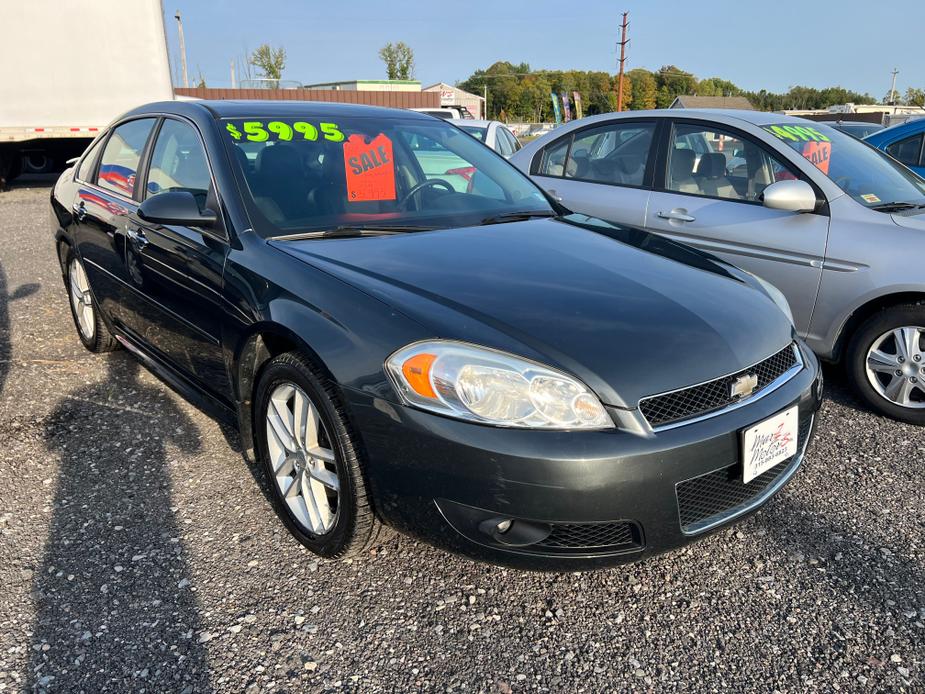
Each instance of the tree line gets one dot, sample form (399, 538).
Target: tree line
(524, 94)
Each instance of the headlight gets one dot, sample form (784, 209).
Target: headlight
(491, 387)
(776, 296)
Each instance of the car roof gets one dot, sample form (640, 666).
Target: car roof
(274, 108)
(474, 121)
(910, 127)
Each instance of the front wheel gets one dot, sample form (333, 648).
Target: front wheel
(886, 362)
(310, 457)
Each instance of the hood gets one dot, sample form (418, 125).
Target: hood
(914, 219)
(630, 313)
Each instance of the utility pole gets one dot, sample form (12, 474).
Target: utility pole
(234, 82)
(623, 42)
(893, 88)
(182, 49)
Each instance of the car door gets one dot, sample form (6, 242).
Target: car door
(713, 201)
(106, 196)
(601, 170)
(176, 271)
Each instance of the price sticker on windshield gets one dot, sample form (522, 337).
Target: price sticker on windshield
(818, 154)
(370, 168)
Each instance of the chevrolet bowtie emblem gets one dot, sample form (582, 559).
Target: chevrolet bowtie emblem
(743, 386)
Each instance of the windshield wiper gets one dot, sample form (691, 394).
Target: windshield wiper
(895, 206)
(516, 216)
(353, 231)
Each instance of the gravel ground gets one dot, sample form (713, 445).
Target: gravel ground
(138, 552)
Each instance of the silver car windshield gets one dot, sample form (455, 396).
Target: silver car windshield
(866, 174)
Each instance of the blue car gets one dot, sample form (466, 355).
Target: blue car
(903, 142)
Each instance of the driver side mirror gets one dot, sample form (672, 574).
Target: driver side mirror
(790, 196)
(177, 207)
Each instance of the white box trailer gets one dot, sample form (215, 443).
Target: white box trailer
(72, 66)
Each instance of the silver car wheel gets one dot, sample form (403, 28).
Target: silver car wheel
(81, 299)
(896, 366)
(302, 458)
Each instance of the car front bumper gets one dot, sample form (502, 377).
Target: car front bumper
(599, 497)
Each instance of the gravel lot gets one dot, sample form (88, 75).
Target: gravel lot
(138, 552)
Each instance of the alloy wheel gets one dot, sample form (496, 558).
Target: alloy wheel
(302, 458)
(896, 366)
(81, 299)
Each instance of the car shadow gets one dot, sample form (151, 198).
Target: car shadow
(113, 599)
(6, 345)
(857, 568)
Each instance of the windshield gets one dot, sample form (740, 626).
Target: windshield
(864, 173)
(476, 131)
(324, 174)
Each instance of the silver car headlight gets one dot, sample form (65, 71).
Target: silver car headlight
(776, 296)
(484, 385)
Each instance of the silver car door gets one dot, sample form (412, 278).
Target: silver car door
(712, 201)
(601, 170)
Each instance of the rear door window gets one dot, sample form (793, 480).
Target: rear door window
(119, 164)
(87, 164)
(908, 151)
(616, 153)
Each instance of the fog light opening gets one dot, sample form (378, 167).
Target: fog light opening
(514, 532)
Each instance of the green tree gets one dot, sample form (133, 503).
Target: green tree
(399, 60)
(914, 97)
(644, 88)
(270, 61)
(672, 82)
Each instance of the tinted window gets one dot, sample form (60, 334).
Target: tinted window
(712, 162)
(178, 162)
(907, 151)
(85, 171)
(864, 173)
(312, 174)
(616, 153)
(119, 165)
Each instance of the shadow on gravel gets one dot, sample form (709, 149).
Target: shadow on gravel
(6, 348)
(114, 610)
(856, 568)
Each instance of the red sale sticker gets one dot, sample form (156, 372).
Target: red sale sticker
(370, 168)
(818, 153)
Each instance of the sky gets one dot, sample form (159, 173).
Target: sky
(770, 45)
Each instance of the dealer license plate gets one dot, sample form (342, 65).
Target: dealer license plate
(768, 443)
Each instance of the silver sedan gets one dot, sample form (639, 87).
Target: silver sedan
(836, 225)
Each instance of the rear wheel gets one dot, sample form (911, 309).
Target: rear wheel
(886, 361)
(310, 458)
(93, 333)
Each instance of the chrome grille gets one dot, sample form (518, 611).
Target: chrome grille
(696, 401)
(703, 501)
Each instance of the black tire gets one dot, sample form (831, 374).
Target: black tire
(355, 528)
(101, 340)
(856, 362)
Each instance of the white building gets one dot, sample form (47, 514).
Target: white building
(454, 96)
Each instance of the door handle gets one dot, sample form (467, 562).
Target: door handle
(80, 210)
(677, 216)
(137, 237)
